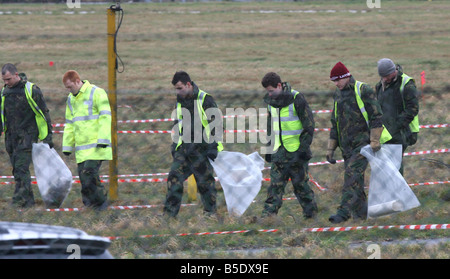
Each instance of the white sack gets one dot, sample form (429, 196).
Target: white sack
(388, 191)
(240, 176)
(53, 177)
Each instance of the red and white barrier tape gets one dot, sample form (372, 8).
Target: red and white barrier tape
(235, 131)
(127, 207)
(193, 234)
(113, 207)
(435, 151)
(173, 119)
(401, 227)
(327, 229)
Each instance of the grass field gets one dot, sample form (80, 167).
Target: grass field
(227, 48)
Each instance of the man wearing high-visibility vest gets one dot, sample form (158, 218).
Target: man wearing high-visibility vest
(397, 94)
(87, 133)
(194, 142)
(25, 120)
(291, 125)
(356, 121)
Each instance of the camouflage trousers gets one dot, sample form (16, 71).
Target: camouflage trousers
(279, 175)
(354, 200)
(23, 193)
(182, 167)
(93, 193)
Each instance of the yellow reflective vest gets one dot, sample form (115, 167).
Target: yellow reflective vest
(286, 126)
(385, 135)
(88, 123)
(39, 115)
(204, 119)
(414, 124)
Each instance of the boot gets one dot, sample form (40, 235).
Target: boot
(337, 219)
(332, 144)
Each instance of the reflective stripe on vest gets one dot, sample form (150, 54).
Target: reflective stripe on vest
(414, 124)
(291, 127)
(204, 119)
(385, 135)
(41, 122)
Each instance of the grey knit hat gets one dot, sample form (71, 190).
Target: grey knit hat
(385, 67)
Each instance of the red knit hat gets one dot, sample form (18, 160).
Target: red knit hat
(339, 71)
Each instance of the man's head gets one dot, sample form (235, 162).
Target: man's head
(272, 83)
(387, 70)
(183, 84)
(340, 75)
(72, 81)
(10, 75)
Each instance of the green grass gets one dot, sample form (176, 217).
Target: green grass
(227, 49)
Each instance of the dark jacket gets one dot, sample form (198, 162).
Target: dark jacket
(21, 128)
(398, 109)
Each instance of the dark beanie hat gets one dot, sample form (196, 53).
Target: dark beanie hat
(339, 71)
(385, 67)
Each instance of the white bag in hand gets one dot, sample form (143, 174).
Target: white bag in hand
(53, 177)
(388, 191)
(240, 176)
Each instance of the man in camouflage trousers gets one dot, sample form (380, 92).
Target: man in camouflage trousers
(189, 155)
(399, 103)
(351, 132)
(291, 125)
(21, 129)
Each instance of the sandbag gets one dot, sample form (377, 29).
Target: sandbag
(53, 177)
(240, 176)
(388, 191)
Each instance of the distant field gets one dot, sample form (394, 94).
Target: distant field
(227, 48)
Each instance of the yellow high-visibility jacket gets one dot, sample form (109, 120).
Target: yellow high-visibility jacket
(88, 123)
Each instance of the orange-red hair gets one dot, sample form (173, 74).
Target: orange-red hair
(71, 75)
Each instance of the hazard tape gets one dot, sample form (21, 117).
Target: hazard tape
(195, 234)
(358, 228)
(235, 116)
(435, 151)
(426, 152)
(127, 207)
(236, 131)
(173, 119)
(112, 207)
(326, 229)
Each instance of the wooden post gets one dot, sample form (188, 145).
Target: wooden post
(112, 85)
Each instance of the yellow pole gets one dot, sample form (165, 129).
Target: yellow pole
(112, 84)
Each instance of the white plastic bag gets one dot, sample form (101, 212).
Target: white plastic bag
(388, 191)
(53, 177)
(240, 176)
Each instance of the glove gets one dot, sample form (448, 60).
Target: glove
(102, 145)
(172, 149)
(48, 140)
(50, 144)
(212, 154)
(67, 153)
(332, 144)
(304, 155)
(268, 158)
(212, 151)
(375, 135)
